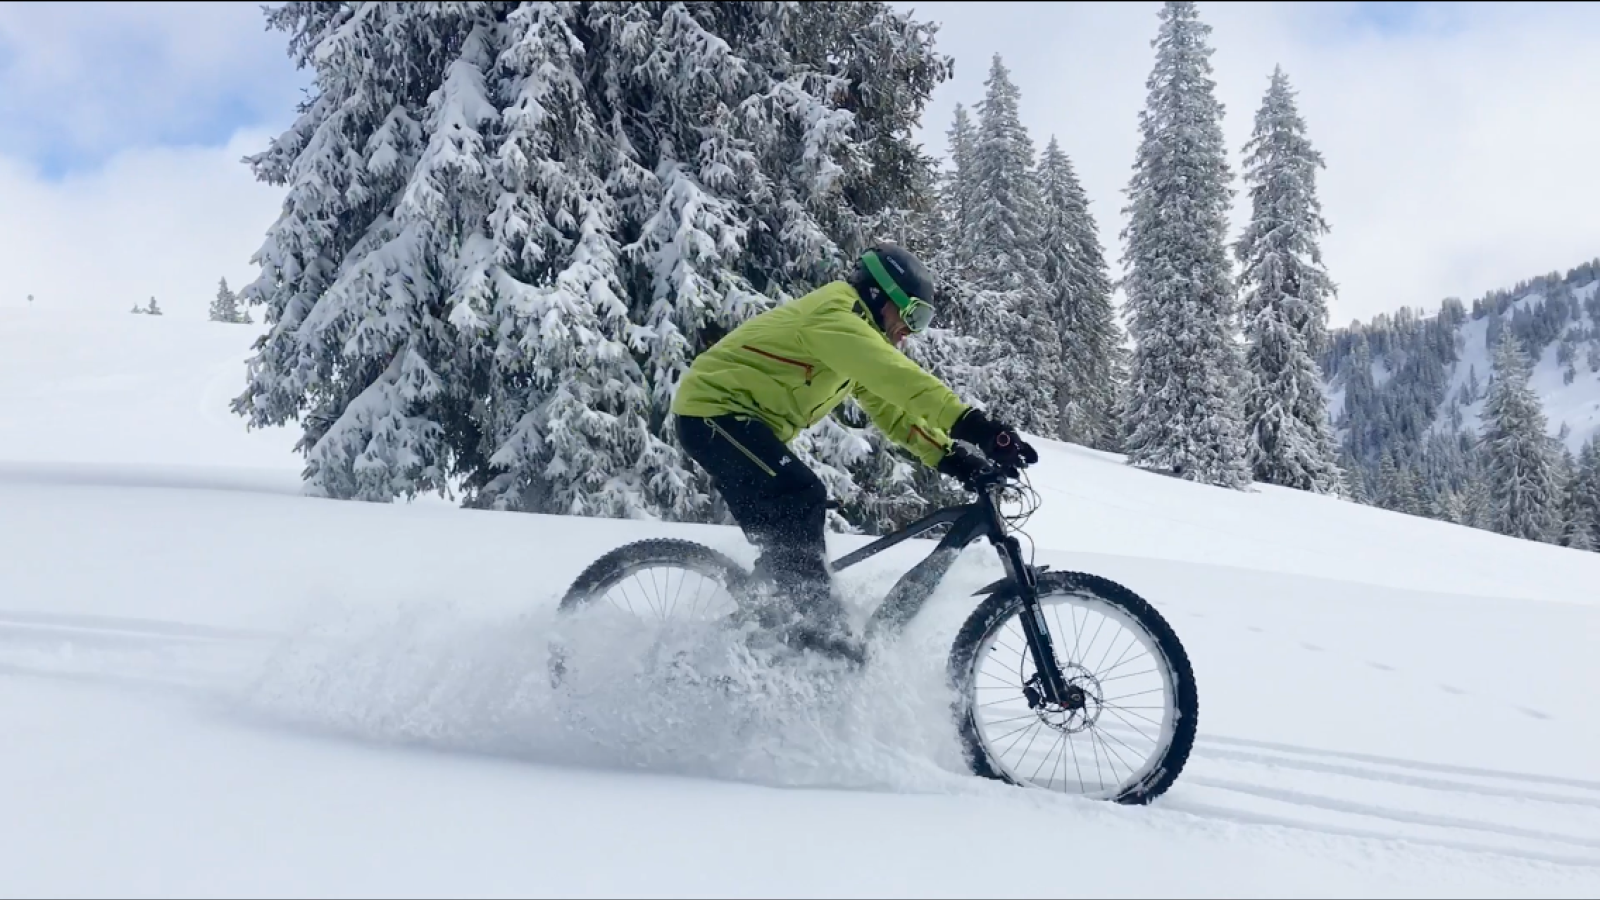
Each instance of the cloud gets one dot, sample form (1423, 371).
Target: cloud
(82, 81)
(122, 128)
(162, 221)
(1457, 136)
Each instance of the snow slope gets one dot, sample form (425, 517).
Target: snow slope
(211, 685)
(1575, 405)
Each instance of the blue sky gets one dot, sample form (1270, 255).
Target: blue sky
(1457, 137)
(1395, 18)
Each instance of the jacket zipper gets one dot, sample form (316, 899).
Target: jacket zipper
(806, 367)
(741, 448)
(835, 396)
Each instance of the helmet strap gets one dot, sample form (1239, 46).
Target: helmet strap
(872, 298)
(881, 276)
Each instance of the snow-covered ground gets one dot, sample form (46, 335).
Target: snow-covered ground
(211, 685)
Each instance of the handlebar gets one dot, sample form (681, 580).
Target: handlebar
(991, 476)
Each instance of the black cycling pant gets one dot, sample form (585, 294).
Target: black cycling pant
(779, 503)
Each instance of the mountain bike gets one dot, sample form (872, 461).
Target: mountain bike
(1034, 706)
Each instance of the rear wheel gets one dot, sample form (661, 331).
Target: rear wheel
(661, 579)
(1130, 721)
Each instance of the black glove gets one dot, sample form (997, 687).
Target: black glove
(1000, 443)
(962, 464)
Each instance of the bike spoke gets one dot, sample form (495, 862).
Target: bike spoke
(1076, 765)
(1133, 726)
(1046, 758)
(699, 586)
(1136, 715)
(998, 645)
(1100, 668)
(682, 577)
(1134, 675)
(1124, 662)
(655, 583)
(623, 586)
(1104, 735)
(1101, 671)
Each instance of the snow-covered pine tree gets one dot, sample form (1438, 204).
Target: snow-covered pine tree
(1411, 499)
(882, 71)
(367, 272)
(950, 349)
(1575, 529)
(941, 349)
(1355, 480)
(1584, 492)
(1396, 486)
(225, 308)
(1183, 409)
(509, 227)
(1078, 296)
(1451, 508)
(1580, 536)
(1524, 494)
(1285, 288)
(956, 190)
(1018, 346)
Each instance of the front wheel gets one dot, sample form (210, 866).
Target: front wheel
(1126, 732)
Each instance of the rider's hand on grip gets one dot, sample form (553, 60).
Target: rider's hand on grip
(1012, 452)
(999, 442)
(962, 464)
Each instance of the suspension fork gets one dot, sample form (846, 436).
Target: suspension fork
(1052, 684)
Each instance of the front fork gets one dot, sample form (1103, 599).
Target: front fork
(1052, 685)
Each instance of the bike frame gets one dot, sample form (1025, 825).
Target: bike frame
(967, 523)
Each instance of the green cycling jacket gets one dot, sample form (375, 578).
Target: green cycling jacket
(792, 364)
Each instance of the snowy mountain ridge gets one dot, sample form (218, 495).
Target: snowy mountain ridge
(1556, 317)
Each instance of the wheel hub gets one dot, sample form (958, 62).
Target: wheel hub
(1082, 702)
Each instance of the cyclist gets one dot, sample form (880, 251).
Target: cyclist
(782, 371)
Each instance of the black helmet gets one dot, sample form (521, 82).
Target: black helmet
(896, 272)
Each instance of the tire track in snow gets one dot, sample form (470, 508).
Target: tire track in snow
(1247, 817)
(121, 651)
(1293, 751)
(1335, 804)
(1417, 781)
(1454, 786)
(67, 624)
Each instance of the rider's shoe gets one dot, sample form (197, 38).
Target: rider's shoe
(828, 641)
(814, 621)
(822, 626)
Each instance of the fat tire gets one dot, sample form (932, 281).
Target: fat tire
(1005, 603)
(671, 551)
